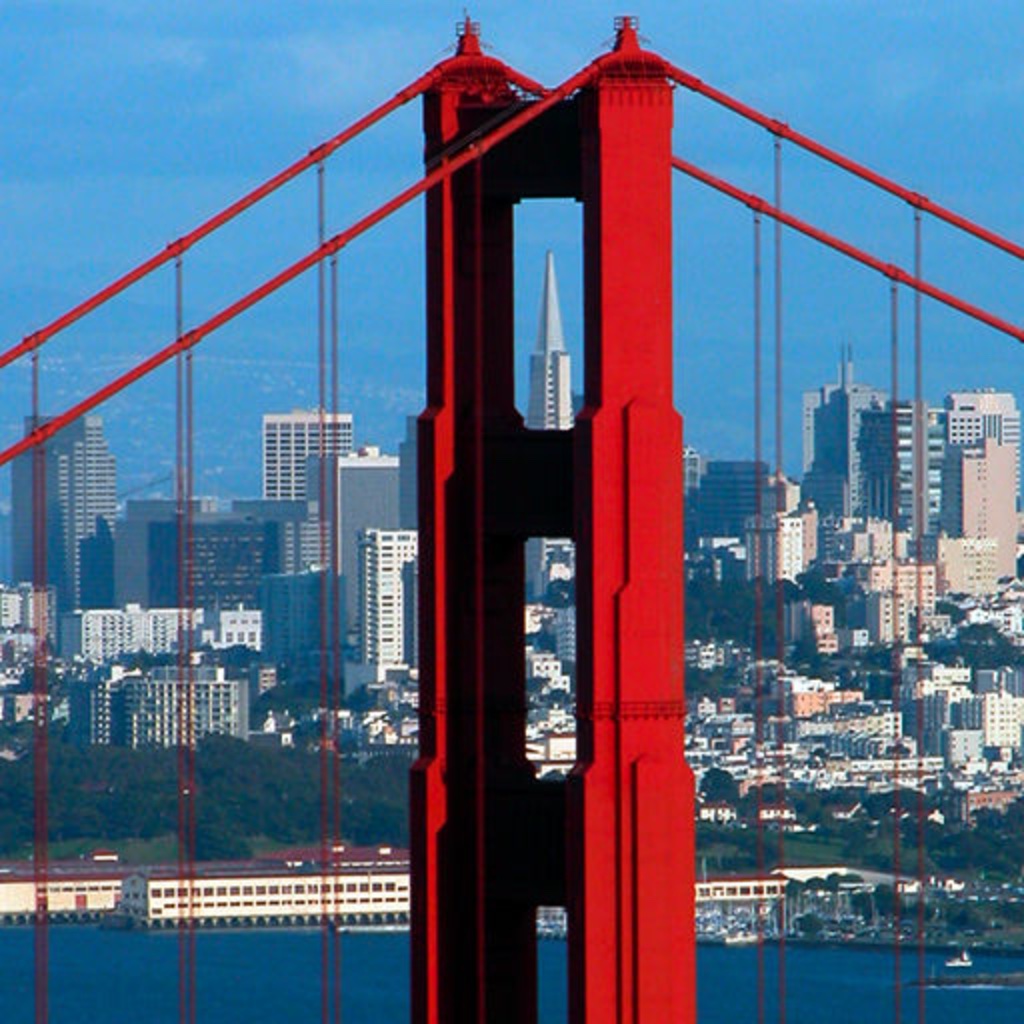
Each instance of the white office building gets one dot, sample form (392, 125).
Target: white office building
(290, 439)
(235, 627)
(384, 602)
(102, 634)
(134, 709)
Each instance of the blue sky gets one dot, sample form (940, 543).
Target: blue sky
(127, 123)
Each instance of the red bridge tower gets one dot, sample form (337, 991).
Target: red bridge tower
(491, 843)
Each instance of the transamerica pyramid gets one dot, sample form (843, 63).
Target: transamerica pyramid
(550, 385)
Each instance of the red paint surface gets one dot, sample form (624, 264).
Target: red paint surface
(491, 843)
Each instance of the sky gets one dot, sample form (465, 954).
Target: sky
(125, 124)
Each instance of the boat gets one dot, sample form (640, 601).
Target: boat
(740, 938)
(962, 959)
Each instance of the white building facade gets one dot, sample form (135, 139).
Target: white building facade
(385, 605)
(290, 439)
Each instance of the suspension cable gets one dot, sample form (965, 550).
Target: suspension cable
(184, 689)
(190, 694)
(332, 245)
(779, 128)
(890, 270)
(179, 708)
(178, 247)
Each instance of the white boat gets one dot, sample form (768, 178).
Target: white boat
(962, 959)
(740, 938)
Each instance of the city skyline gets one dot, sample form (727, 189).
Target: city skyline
(906, 97)
(771, 672)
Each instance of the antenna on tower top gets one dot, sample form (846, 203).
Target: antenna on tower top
(467, 32)
(626, 29)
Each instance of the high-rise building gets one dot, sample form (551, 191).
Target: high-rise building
(367, 485)
(230, 556)
(81, 489)
(299, 621)
(728, 497)
(550, 405)
(132, 546)
(233, 549)
(291, 438)
(693, 469)
(979, 497)
(815, 399)
(407, 494)
(297, 527)
(384, 604)
(920, 502)
(832, 453)
(972, 416)
(96, 567)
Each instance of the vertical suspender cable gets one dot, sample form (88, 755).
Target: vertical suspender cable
(335, 631)
(181, 688)
(894, 497)
(758, 571)
(40, 717)
(780, 509)
(923, 499)
(327, 886)
(190, 695)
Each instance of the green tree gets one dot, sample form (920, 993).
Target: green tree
(719, 785)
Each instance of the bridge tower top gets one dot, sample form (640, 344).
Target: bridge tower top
(468, 32)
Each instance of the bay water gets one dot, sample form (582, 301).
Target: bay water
(273, 977)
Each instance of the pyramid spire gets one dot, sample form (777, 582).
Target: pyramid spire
(550, 405)
(550, 337)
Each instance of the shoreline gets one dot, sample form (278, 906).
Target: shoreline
(109, 922)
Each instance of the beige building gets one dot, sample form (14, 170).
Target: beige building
(358, 892)
(1002, 716)
(74, 891)
(777, 544)
(968, 565)
(980, 497)
(972, 416)
(891, 609)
